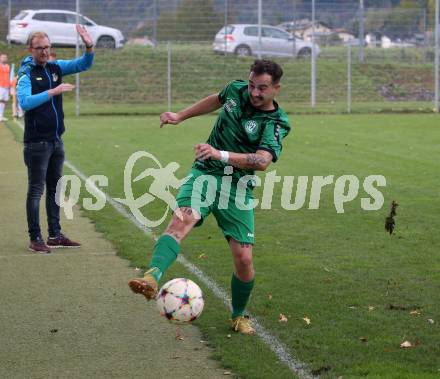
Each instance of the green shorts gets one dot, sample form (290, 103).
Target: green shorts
(230, 203)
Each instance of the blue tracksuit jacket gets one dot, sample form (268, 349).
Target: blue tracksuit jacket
(44, 116)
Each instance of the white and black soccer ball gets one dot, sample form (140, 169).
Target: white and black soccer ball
(180, 300)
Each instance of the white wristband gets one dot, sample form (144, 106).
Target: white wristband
(224, 156)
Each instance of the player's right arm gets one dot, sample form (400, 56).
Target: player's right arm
(204, 106)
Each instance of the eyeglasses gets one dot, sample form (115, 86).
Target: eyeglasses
(41, 49)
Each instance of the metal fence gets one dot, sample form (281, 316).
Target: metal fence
(370, 58)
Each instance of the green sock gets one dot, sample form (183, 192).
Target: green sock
(241, 291)
(165, 253)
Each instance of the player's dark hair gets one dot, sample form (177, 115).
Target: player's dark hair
(263, 66)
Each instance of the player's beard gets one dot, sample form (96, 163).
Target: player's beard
(42, 61)
(257, 101)
(42, 58)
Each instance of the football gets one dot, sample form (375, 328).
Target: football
(180, 300)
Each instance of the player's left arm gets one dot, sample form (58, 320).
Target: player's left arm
(83, 63)
(259, 161)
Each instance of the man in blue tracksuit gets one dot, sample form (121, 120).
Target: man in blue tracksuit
(39, 92)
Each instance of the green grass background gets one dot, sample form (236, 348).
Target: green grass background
(329, 267)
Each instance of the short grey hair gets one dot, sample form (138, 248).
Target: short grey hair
(37, 35)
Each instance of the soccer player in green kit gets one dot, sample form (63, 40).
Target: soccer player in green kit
(246, 137)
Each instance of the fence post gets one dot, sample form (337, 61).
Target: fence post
(77, 98)
(361, 31)
(294, 29)
(260, 21)
(225, 26)
(313, 61)
(425, 44)
(349, 79)
(155, 23)
(169, 75)
(9, 19)
(437, 48)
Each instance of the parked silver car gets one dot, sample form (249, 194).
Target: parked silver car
(60, 27)
(243, 40)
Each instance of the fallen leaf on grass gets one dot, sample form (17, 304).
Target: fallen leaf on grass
(390, 222)
(179, 337)
(202, 256)
(282, 318)
(229, 336)
(363, 339)
(399, 307)
(370, 308)
(406, 345)
(414, 312)
(227, 373)
(431, 321)
(137, 269)
(270, 296)
(307, 320)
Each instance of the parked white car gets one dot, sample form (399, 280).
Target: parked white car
(60, 27)
(243, 40)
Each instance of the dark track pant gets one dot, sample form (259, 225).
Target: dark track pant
(44, 161)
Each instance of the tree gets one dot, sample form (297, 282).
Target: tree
(402, 21)
(194, 20)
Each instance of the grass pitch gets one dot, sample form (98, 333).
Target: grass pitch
(364, 291)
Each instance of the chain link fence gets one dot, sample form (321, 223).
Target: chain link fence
(367, 59)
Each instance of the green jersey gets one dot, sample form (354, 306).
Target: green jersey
(241, 128)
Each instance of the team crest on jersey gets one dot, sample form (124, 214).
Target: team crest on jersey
(230, 105)
(54, 77)
(251, 126)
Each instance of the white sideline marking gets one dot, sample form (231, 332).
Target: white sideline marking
(280, 350)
